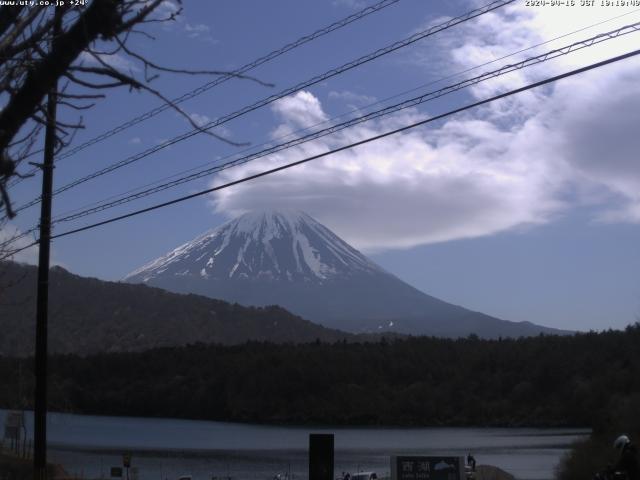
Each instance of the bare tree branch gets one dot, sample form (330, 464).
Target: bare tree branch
(33, 59)
(99, 19)
(18, 28)
(137, 85)
(150, 64)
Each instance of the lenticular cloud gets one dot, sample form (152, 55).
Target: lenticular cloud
(511, 164)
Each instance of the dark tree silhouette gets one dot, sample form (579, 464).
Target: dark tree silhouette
(33, 58)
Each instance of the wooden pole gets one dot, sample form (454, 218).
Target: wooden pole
(40, 410)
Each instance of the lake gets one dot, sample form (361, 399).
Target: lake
(167, 448)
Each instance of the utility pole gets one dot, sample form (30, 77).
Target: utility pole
(40, 413)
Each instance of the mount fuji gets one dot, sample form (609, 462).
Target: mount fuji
(287, 258)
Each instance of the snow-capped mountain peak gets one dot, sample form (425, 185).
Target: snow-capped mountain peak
(289, 259)
(276, 244)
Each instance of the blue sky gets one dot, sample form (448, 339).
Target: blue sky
(527, 209)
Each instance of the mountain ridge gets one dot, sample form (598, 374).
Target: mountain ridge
(88, 315)
(264, 229)
(290, 259)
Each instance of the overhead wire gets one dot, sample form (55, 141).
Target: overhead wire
(573, 47)
(268, 100)
(412, 102)
(220, 80)
(357, 111)
(494, 98)
(68, 20)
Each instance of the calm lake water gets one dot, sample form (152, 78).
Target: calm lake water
(164, 449)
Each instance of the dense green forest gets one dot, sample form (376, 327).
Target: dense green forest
(582, 380)
(87, 315)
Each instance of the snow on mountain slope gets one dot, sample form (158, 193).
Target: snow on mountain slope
(277, 245)
(287, 258)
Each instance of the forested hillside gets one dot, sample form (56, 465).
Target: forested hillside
(582, 380)
(87, 315)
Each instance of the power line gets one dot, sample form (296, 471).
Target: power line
(101, 206)
(17, 237)
(353, 111)
(209, 85)
(339, 149)
(370, 116)
(266, 101)
(349, 123)
(355, 144)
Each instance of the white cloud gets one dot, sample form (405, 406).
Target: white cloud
(11, 232)
(199, 31)
(599, 140)
(116, 60)
(407, 189)
(352, 98)
(514, 163)
(171, 10)
(591, 116)
(135, 141)
(166, 9)
(199, 119)
(355, 4)
(198, 28)
(302, 109)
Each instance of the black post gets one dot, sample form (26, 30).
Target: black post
(40, 411)
(321, 456)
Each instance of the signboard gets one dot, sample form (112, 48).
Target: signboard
(422, 467)
(116, 472)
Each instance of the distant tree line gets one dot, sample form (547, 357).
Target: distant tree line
(589, 379)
